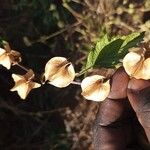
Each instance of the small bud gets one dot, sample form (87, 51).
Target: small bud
(8, 56)
(59, 72)
(136, 66)
(24, 84)
(94, 89)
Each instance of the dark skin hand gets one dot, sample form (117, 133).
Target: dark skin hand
(123, 119)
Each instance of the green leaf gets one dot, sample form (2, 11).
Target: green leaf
(96, 51)
(131, 41)
(107, 53)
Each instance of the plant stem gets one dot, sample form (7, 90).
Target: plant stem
(76, 83)
(22, 67)
(83, 71)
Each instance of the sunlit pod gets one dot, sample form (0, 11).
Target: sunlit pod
(59, 72)
(93, 88)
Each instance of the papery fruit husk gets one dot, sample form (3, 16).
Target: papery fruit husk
(29, 75)
(15, 56)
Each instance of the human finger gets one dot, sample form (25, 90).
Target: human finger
(139, 96)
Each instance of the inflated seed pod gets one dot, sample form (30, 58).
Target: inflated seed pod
(139, 96)
(119, 84)
(112, 128)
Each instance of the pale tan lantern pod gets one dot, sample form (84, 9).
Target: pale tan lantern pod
(24, 84)
(137, 66)
(93, 88)
(4, 59)
(8, 57)
(59, 72)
